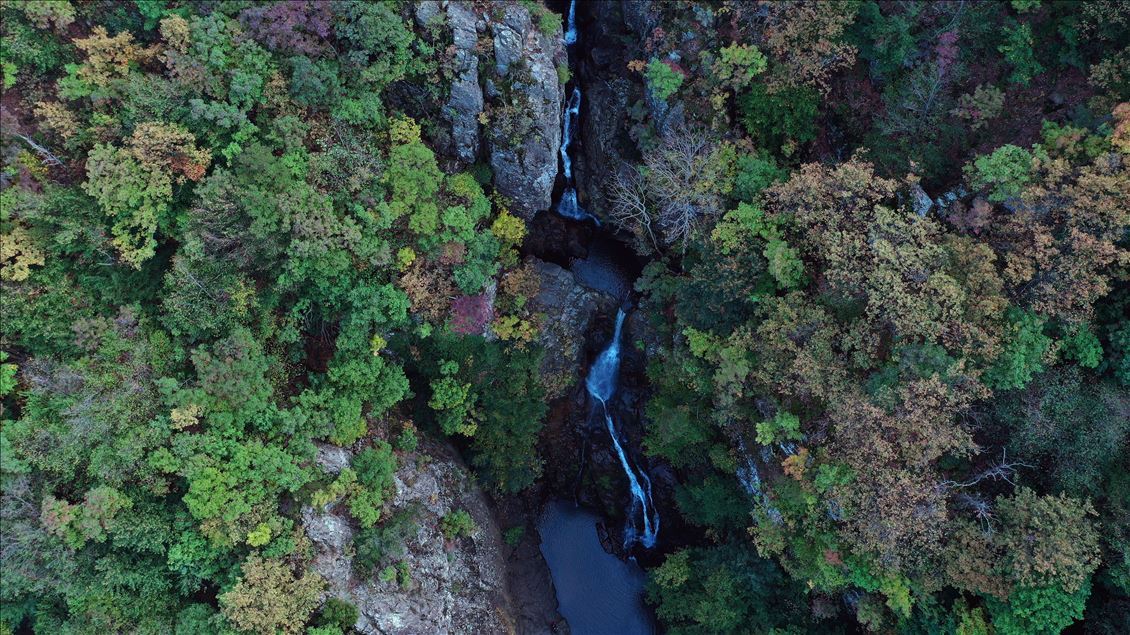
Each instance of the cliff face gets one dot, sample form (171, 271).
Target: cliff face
(459, 585)
(610, 91)
(505, 101)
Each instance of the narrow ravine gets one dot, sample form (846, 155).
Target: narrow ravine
(599, 585)
(571, 117)
(642, 519)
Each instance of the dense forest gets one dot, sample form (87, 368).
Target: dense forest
(294, 338)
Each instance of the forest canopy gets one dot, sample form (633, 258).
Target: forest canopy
(884, 307)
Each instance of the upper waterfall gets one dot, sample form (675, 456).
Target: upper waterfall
(568, 206)
(571, 30)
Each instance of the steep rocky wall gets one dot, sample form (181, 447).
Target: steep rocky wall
(457, 586)
(610, 91)
(568, 309)
(505, 100)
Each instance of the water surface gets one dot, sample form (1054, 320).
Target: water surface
(597, 593)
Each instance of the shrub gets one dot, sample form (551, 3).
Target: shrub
(513, 536)
(978, 107)
(380, 544)
(407, 441)
(458, 524)
(1005, 172)
(784, 426)
(338, 613)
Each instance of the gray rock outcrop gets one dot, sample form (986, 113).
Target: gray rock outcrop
(466, 99)
(568, 309)
(523, 97)
(457, 586)
(525, 131)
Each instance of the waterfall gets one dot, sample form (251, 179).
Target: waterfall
(570, 118)
(571, 32)
(568, 205)
(601, 384)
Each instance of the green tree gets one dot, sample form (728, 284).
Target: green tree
(1023, 352)
(136, 199)
(1018, 49)
(1004, 173)
(725, 589)
(663, 80)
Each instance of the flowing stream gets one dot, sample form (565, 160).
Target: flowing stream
(604, 374)
(568, 206)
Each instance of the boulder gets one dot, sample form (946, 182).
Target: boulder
(427, 11)
(568, 309)
(331, 458)
(920, 200)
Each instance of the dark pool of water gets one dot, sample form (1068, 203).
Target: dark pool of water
(610, 267)
(597, 593)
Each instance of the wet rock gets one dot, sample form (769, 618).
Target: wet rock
(531, 586)
(525, 130)
(640, 16)
(951, 196)
(644, 332)
(603, 135)
(534, 595)
(568, 309)
(920, 200)
(456, 586)
(668, 120)
(557, 239)
(466, 99)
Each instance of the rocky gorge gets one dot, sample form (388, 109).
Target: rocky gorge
(505, 109)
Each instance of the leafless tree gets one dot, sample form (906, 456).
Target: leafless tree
(1002, 470)
(676, 187)
(627, 192)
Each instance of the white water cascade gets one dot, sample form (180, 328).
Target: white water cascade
(601, 384)
(570, 119)
(571, 31)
